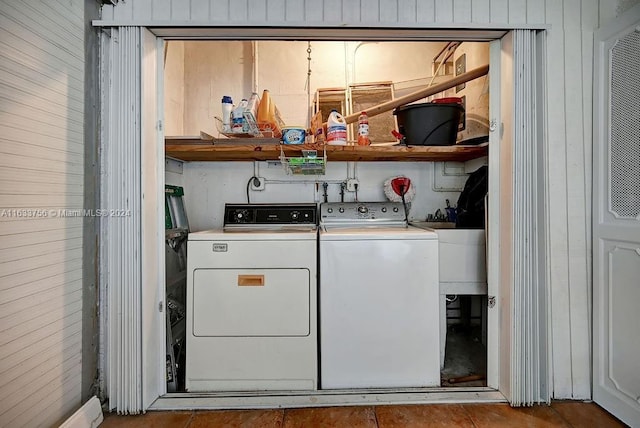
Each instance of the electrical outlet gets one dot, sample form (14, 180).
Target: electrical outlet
(352, 184)
(258, 183)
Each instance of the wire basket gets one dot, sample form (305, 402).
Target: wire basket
(307, 164)
(254, 133)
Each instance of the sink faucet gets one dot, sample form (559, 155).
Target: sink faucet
(437, 216)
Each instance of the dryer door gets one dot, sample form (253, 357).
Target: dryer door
(251, 302)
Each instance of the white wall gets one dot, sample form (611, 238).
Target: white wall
(216, 68)
(209, 185)
(207, 70)
(476, 92)
(41, 251)
(570, 25)
(174, 88)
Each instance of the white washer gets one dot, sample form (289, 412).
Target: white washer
(251, 304)
(379, 323)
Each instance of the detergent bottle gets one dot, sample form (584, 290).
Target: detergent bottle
(336, 129)
(267, 116)
(227, 107)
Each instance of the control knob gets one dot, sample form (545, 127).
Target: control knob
(241, 216)
(362, 209)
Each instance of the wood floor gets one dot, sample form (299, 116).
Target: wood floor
(559, 414)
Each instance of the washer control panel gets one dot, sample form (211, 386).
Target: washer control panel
(362, 212)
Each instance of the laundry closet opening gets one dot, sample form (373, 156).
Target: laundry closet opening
(245, 343)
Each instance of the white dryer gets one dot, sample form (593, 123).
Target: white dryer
(251, 301)
(379, 323)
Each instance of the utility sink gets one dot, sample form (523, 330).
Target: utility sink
(434, 224)
(462, 267)
(461, 252)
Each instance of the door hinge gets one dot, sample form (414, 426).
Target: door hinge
(160, 306)
(491, 301)
(159, 125)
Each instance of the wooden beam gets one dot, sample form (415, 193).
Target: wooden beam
(422, 93)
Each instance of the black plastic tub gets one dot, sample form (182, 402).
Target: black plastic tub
(429, 124)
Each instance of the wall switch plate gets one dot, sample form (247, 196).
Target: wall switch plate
(352, 184)
(258, 183)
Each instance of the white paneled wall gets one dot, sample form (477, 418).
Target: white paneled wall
(389, 13)
(41, 198)
(568, 163)
(570, 25)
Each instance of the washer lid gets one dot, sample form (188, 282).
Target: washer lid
(362, 233)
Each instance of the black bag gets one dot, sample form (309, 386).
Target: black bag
(470, 209)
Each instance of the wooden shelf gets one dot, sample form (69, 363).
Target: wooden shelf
(196, 149)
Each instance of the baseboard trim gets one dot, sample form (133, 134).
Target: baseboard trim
(296, 399)
(87, 416)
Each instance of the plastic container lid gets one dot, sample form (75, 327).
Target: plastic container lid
(431, 105)
(294, 127)
(227, 99)
(448, 100)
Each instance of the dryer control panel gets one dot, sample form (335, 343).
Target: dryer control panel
(269, 215)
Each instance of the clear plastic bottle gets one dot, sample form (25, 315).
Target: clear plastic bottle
(336, 129)
(227, 107)
(237, 118)
(363, 129)
(251, 114)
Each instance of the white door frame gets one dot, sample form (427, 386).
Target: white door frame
(153, 269)
(153, 299)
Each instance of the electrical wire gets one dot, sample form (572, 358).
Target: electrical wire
(249, 185)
